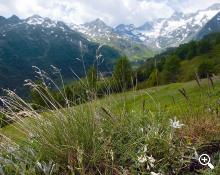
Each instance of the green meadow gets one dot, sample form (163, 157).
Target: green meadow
(155, 130)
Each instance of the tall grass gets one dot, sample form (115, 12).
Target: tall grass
(115, 135)
(90, 139)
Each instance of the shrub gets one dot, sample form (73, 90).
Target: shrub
(153, 79)
(171, 70)
(122, 73)
(206, 68)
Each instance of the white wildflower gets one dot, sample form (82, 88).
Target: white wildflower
(153, 173)
(142, 159)
(176, 123)
(151, 161)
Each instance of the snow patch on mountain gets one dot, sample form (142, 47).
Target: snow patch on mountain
(158, 34)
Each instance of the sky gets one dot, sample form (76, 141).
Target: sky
(113, 12)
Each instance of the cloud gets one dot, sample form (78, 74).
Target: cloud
(113, 12)
(189, 6)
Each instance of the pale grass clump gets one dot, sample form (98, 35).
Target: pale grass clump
(93, 138)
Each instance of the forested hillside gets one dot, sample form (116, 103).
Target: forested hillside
(183, 63)
(23, 45)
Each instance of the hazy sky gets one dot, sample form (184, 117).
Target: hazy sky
(113, 12)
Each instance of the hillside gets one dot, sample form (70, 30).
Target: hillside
(126, 126)
(41, 42)
(100, 32)
(183, 63)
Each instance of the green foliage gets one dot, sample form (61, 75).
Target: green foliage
(192, 52)
(182, 63)
(118, 134)
(92, 77)
(122, 73)
(26, 47)
(171, 69)
(153, 79)
(204, 46)
(206, 69)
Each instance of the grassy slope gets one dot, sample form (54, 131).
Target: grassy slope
(165, 98)
(133, 120)
(189, 67)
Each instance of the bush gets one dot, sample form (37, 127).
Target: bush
(153, 79)
(171, 70)
(122, 73)
(206, 69)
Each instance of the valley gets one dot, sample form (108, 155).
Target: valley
(109, 87)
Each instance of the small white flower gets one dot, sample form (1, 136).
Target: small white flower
(176, 123)
(142, 159)
(151, 161)
(153, 173)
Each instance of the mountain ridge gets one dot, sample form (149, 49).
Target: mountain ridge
(42, 42)
(138, 42)
(211, 27)
(161, 33)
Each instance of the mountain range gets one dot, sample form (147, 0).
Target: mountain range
(155, 35)
(38, 41)
(41, 42)
(212, 26)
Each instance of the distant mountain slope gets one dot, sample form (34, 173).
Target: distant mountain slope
(211, 27)
(153, 35)
(41, 42)
(99, 32)
(177, 29)
(183, 62)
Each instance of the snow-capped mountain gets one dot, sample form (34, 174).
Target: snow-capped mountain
(98, 31)
(42, 42)
(135, 42)
(211, 27)
(37, 20)
(127, 31)
(177, 29)
(158, 34)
